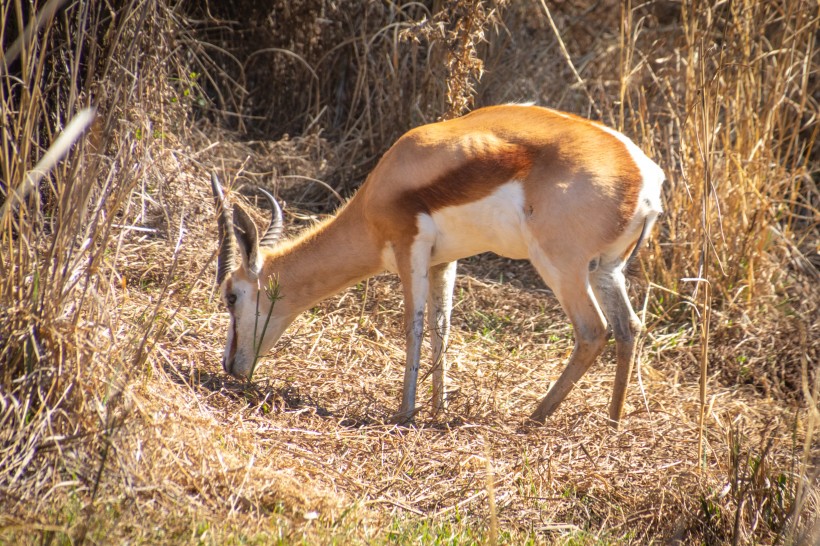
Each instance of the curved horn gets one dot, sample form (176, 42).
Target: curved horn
(274, 232)
(227, 245)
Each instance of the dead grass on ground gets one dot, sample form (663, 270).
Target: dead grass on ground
(307, 445)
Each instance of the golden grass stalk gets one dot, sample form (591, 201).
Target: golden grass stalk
(78, 125)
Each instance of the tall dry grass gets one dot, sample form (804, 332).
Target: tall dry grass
(66, 352)
(734, 120)
(731, 110)
(353, 74)
(725, 97)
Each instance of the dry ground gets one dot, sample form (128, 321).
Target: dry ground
(305, 453)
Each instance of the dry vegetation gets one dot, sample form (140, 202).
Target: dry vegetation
(116, 423)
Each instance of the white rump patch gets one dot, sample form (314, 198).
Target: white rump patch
(653, 177)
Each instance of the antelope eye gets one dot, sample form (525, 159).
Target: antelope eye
(231, 299)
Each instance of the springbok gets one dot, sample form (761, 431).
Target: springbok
(573, 196)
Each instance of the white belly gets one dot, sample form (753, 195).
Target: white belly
(495, 223)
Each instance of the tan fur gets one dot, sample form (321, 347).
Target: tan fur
(562, 160)
(328, 258)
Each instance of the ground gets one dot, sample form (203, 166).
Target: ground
(305, 451)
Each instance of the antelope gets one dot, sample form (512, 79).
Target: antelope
(573, 196)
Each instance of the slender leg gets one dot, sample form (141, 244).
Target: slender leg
(609, 285)
(439, 307)
(578, 300)
(413, 272)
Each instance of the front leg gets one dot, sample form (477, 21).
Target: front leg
(439, 307)
(413, 271)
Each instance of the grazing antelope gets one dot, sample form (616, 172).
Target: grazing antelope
(573, 196)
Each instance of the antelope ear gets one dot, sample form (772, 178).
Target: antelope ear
(248, 239)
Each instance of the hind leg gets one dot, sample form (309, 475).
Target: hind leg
(609, 285)
(578, 300)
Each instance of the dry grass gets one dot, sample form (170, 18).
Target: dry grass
(117, 424)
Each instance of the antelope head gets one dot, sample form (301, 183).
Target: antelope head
(249, 292)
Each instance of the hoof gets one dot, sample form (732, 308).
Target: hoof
(403, 417)
(536, 419)
(614, 421)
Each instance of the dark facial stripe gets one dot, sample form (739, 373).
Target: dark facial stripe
(232, 352)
